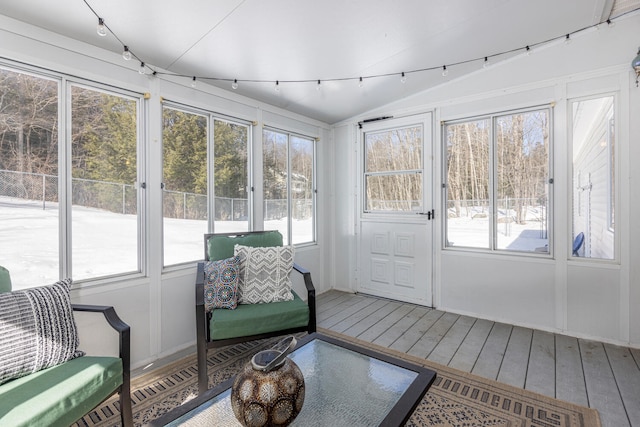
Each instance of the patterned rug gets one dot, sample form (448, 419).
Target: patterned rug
(456, 399)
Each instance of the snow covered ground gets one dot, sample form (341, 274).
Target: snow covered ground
(105, 243)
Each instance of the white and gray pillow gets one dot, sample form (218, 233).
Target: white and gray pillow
(37, 330)
(264, 274)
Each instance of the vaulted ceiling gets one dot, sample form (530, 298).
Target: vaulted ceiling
(298, 42)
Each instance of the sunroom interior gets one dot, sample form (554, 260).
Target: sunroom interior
(380, 139)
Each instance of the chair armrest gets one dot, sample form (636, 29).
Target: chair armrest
(124, 334)
(311, 295)
(123, 329)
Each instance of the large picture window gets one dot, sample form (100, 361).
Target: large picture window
(189, 168)
(497, 182)
(68, 197)
(289, 185)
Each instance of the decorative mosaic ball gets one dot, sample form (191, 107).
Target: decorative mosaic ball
(267, 399)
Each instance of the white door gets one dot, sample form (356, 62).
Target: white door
(395, 248)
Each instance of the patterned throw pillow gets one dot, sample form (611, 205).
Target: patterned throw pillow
(37, 330)
(221, 283)
(264, 274)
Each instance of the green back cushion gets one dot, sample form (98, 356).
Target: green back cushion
(5, 280)
(221, 247)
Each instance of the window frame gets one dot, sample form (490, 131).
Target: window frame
(613, 175)
(314, 188)
(398, 124)
(64, 83)
(211, 117)
(492, 183)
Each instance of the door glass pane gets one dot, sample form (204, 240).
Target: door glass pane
(398, 192)
(301, 189)
(522, 171)
(29, 213)
(104, 195)
(274, 149)
(593, 158)
(230, 143)
(393, 170)
(184, 174)
(468, 213)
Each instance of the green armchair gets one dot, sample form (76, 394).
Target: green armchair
(247, 322)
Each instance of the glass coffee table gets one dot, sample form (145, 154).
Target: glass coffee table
(345, 385)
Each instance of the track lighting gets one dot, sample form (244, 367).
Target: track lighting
(528, 50)
(126, 54)
(234, 85)
(277, 86)
(486, 62)
(444, 71)
(318, 86)
(102, 29)
(403, 78)
(567, 39)
(142, 70)
(360, 83)
(193, 82)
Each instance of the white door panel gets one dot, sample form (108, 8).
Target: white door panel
(395, 250)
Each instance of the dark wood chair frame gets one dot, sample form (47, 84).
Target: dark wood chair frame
(203, 318)
(124, 351)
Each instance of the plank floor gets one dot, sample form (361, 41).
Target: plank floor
(589, 373)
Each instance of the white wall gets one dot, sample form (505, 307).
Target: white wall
(580, 297)
(160, 306)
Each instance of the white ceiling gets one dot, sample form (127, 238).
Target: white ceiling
(304, 40)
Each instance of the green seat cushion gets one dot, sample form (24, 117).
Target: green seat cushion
(221, 247)
(60, 395)
(253, 319)
(5, 280)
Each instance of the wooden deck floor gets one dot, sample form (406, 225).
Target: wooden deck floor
(589, 373)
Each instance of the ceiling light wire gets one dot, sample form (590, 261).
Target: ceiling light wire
(403, 75)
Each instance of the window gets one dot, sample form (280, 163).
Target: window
(393, 170)
(289, 185)
(186, 178)
(497, 182)
(231, 176)
(104, 170)
(29, 171)
(594, 182)
(69, 207)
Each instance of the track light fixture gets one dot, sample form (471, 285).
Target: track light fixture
(444, 71)
(318, 85)
(142, 69)
(403, 78)
(234, 85)
(193, 82)
(277, 86)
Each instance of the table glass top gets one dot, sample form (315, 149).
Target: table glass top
(342, 387)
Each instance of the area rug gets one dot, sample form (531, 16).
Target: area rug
(456, 399)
